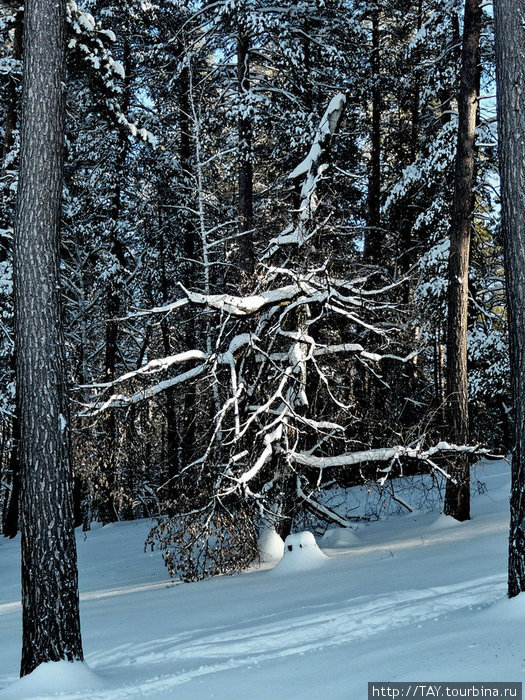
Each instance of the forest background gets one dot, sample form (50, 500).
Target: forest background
(257, 212)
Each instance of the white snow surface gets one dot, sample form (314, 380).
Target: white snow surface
(417, 597)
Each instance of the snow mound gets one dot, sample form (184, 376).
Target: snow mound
(270, 545)
(300, 554)
(339, 537)
(52, 679)
(444, 522)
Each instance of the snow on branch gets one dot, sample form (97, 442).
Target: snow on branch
(245, 306)
(152, 367)
(312, 169)
(121, 401)
(167, 309)
(326, 129)
(91, 43)
(350, 349)
(307, 289)
(381, 454)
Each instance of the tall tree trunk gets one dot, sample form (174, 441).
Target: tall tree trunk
(373, 236)
(416, 89)
(246, 261)
(114, 292)
(407, 252)
(180, 430)
(50, 618)
(457, 497)
(510, 75)
(190, 253)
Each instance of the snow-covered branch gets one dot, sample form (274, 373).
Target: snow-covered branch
(91, 42)
(381, 454)
(312, 169)
(307, 290)
(245, 306)
(155, 366)
(152, 367)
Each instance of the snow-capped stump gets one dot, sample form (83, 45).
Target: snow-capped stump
(300, 554)
(270, 545)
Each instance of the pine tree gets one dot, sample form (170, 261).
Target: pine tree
(50, 616)
(509, 21)
(457, 498)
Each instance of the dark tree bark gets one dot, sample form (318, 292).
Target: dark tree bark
(246, 260)
(457, 497)
(50, 617)
(373, 234)
(108, 506)
(408, 244)
(190, 253)
(180, 430)
(510, 75)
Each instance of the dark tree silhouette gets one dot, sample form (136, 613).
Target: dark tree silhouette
(510, 73)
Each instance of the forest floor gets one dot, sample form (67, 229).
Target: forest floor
(417, 597)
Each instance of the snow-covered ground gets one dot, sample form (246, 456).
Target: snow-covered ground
(417, 597)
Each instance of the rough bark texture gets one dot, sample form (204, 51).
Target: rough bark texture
(51, 627)
(457, 499)
(510, 74)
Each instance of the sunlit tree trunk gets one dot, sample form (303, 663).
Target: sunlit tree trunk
(457, 498)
